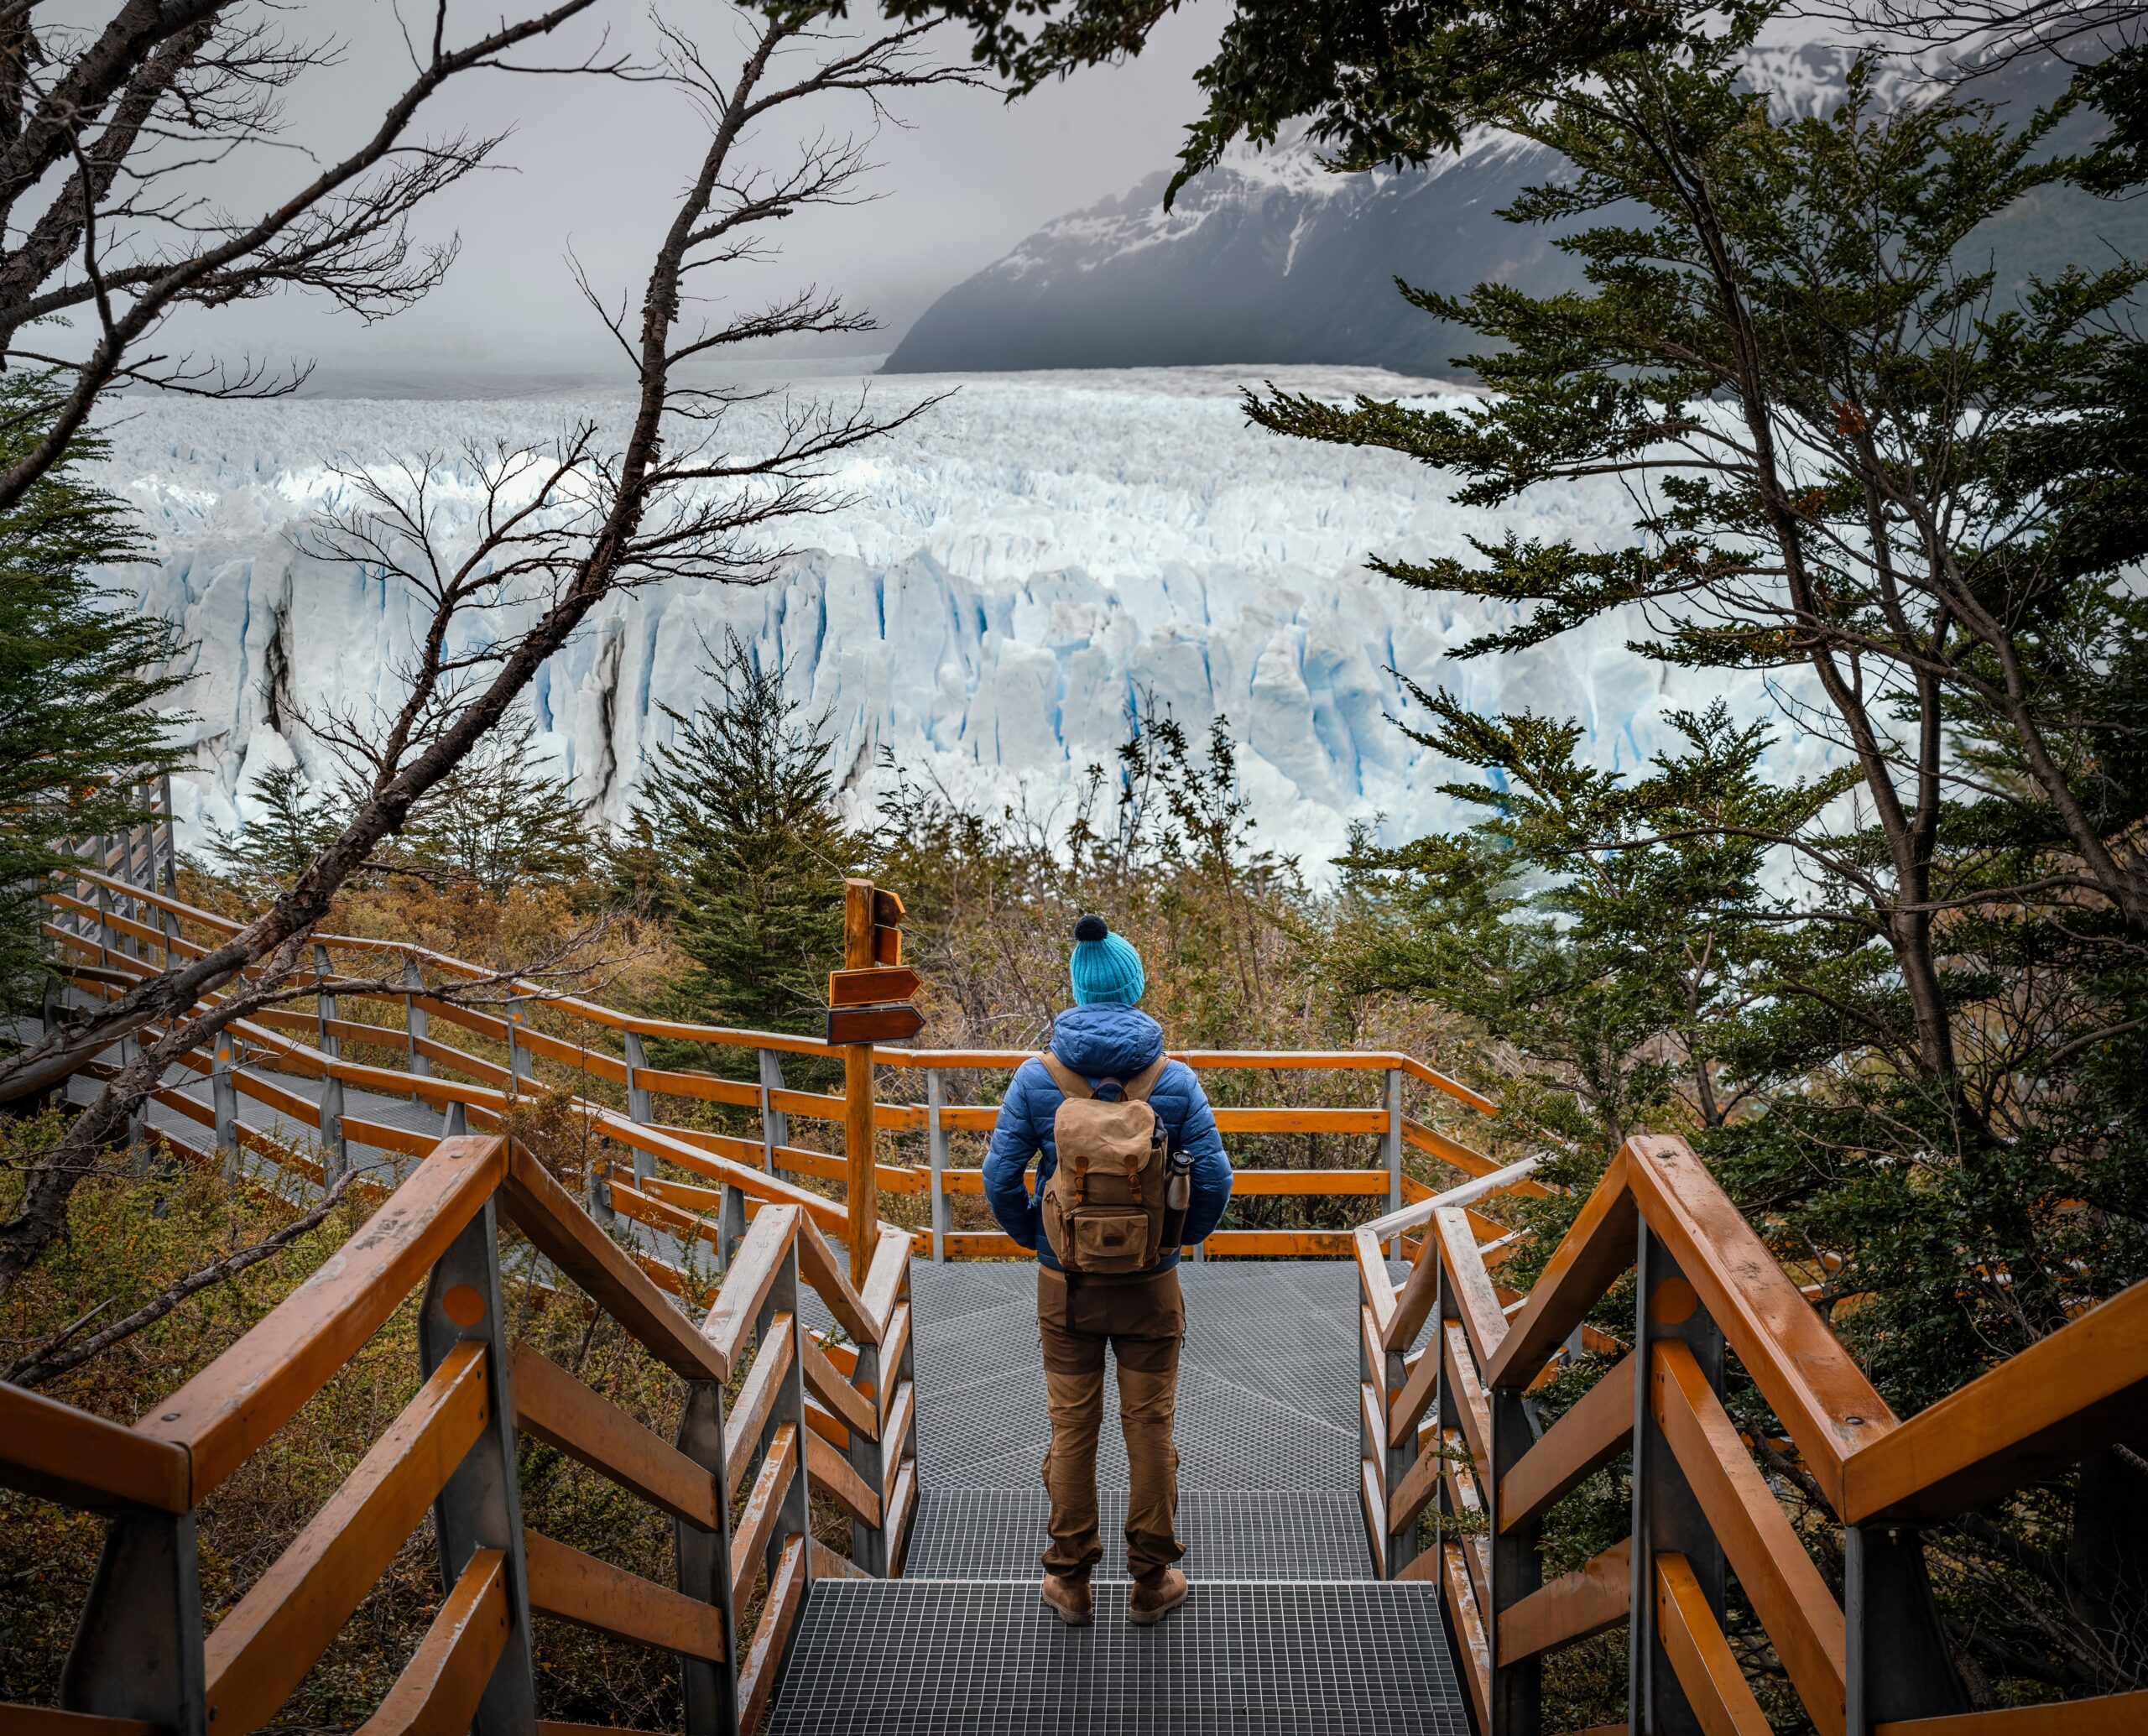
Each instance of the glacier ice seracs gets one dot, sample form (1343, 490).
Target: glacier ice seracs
(1010, 572)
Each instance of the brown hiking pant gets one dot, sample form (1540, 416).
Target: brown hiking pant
(1143, 1320)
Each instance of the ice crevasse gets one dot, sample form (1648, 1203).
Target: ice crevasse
(1005, 579)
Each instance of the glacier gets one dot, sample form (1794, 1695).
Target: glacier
(1004, 580)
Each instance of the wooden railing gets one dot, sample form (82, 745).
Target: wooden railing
(807, 1415)
(1451, 1429)
(119, 933)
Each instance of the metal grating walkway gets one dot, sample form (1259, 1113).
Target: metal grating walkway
(1285, 1629)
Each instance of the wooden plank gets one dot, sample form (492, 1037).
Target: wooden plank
(764, 1654)
(891, 1352)
(559, 1409)
(1587, 1601)
(898, 1024)
(382, 1136)
(828, 1564)
(902, 1504)
(1462, 1491)
(1700, 1656)
(1373, 1426)
(1374, 1355)
(438, 1692)
(1376, 1290)
(762, 1512)
(1417, 1393)
(1417, 1488)
(1829, 1407)
(831, 1472)
(895, 1443)
(1594, 1430)
(1474, 1409)
(287, 1103)
(1476, 1654)
(1376, 1531)
(749, 1414)
(591, 1594)
(58, 1453)
(1413, 1300)
(701, 1087)
(1280, 1244)
(984, 1244)
(2062, 1399)
(577, 1243)
(755, 1269)
(20, 1720)
(1597, 1249)
(871, 984)
(1453, 1088)
(1482, 1317)
(579, 1056)
(1802, 1619)
(885, 1277)
(263, 1649)
(1302, 1121)
(848, 1405)
(249, 1392)
(1315, 1184)
(2105, 1715)
(816, 1264)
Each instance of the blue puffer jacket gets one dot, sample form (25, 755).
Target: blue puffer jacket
(1099, 1042)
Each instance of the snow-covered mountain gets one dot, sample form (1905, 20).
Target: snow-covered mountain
(1014, 570)
(1268, 258)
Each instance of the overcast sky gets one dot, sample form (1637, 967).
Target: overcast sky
(593, 164)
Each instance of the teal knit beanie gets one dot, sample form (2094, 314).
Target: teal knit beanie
(1104, 967)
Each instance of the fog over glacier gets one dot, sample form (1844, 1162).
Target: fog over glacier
(1009, 574)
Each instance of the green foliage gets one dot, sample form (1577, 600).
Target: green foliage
(738, 834)
(293, 823)
(79, 680)
(496, 820)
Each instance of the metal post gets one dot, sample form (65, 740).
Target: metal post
(223, 1093)
(1517, 1689)
(454, 1121)
(1391, 1153)
(1667, 1518)
(868, 1545)
(169, 877)
(521, 1063)
(730, 1225)
(1896, 1664)
(417, 1021)
(335, 1150)
(480, 1508)
(935, 1142)
(137, 1652)
(104, 925)
(324, 1000)
(775, 1125)
(711, 1690)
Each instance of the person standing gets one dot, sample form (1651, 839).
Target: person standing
(1130, 1168)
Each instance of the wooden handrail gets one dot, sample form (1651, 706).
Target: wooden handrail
(230, 1408)
(61, 1454)
(441, 1687)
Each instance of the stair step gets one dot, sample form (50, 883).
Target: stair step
(950, 1658)
(1000, 1533)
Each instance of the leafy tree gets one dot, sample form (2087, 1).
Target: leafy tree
(274, 848)
(499, 820)
(739, 834)
(81, 679)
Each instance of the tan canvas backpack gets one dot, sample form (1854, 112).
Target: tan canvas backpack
(1104, 1205)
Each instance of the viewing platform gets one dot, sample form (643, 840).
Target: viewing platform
(1368, 1450)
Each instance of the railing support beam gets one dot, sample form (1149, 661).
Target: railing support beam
(711, 1691)
(935, 1140)
(1667, 1517)
(137, 1648)
(480, 1508)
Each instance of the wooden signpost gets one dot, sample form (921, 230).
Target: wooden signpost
(867, 1003)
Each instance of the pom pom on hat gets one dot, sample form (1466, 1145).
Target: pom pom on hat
(1104, 967)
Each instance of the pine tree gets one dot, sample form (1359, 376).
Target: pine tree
(739, 832)
(499, 820)
(274, 848)
(81, 679)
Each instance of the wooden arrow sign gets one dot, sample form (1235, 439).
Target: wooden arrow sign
(874, 1025)
(887, 908)
(867, 988)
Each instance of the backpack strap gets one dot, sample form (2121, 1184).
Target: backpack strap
(1070, 1083)
(1137, 1088)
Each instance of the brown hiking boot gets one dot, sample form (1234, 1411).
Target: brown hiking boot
(1156, 1599)
(1071, 1599)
